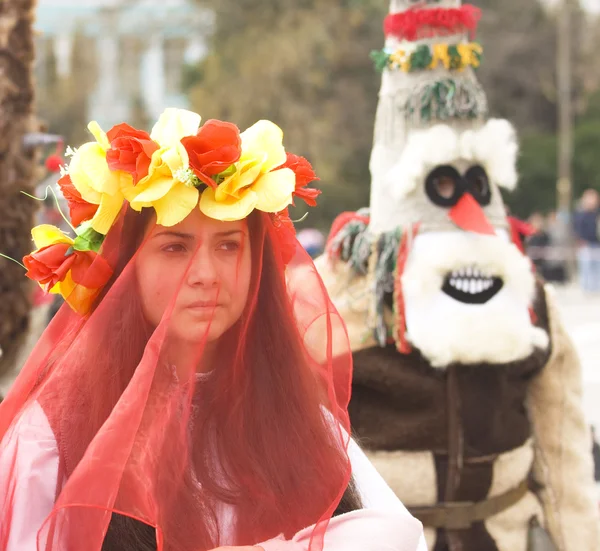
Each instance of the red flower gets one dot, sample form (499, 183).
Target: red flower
(285, 234)
(130, 150)
(215, 147)
(416, 24)
(79, 210)
(304, 176)
(49, 266)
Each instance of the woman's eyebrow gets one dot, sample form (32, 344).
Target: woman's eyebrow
(228, 233)
(172, 233)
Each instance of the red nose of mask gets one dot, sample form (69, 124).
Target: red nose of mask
(469, 216)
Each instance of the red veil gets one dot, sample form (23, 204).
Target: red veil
(149, 452)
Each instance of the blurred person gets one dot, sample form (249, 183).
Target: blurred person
(559, 250)
(585, 225)
(312, 240)
(185, 398)
(537, 244)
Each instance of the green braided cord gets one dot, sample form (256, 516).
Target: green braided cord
(446, 99)
(387, 253)
(354, 242)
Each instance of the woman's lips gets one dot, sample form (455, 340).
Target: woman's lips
(204, 305)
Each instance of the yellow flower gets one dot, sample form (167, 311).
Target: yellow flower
(439, 54)
(468, 54)
(401, 60)
(45, 235)
(96, 183)
(166, 186)
(255, 184)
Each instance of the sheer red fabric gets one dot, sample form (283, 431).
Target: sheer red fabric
(210, 428)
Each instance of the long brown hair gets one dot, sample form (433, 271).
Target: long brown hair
(261, 419)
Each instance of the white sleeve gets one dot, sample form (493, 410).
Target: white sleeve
(373, 489)
(31, 455)
(383, 524)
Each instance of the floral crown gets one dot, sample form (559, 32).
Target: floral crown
(176, 168)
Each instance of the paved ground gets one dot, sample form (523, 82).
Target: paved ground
(581, 316)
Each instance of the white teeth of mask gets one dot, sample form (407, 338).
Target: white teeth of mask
(471, 280)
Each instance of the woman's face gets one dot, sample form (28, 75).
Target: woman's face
(207, 263)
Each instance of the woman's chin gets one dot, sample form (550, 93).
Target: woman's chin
(198, 331)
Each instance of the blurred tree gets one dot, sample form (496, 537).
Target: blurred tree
(305, 65)
(62, 103)
(519, 68)
(537, 170)
(17, 170)
(537, 163)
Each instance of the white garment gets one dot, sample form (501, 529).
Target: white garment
(383, 524)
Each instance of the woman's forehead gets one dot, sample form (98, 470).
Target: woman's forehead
(198, 223)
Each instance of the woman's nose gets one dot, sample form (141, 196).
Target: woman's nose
(202, 270)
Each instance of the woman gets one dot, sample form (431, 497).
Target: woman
(195, 394)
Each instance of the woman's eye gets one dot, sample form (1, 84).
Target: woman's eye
(174, 248)
(229, 246)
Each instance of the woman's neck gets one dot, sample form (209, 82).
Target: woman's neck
(185, 355)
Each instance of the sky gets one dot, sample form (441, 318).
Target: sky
(592, 6)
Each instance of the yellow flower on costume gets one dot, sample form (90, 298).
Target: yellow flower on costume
(401, 59)
(255, 184)
(470, 54)
(439, 54)
(96, 183)
(166, 188)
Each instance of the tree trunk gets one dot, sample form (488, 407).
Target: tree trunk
(17, 172)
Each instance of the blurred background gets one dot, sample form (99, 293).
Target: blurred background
(305, 65)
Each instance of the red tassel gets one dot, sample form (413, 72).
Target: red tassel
(533, 315)
(518, 230)
(339, 223)
(416, 24)
(402, 345)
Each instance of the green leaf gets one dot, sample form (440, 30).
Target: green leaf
(218, 178)
(381, 59)
(88, 239)
(455, 59)
(421, 58)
